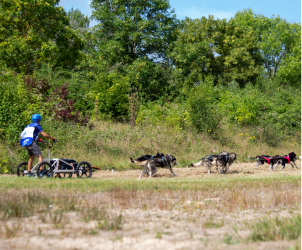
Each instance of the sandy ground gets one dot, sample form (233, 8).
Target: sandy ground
(237, 169)
(148, 230)
(158, 229)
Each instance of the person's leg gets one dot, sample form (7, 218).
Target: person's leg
(30, 163)
(40, 158)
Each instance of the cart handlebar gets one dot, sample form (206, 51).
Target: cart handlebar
(44, 141)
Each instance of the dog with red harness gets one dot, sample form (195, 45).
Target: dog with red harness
(270, 160)
(286, 159)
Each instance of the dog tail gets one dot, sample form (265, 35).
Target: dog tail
(131, 160)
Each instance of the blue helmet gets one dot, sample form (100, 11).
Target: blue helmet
(36, 118)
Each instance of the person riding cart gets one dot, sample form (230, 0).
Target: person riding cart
(29, 138)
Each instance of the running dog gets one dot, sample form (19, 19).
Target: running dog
(230, 158)
(220, 161)
(270, 160)
(286, 159)
(142, 160)
(223, 153)
(150, 168)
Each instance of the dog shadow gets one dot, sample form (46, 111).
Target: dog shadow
(234, 172)
(248, 172)
(163, 175)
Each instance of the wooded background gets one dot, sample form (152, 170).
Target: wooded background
(141, 65)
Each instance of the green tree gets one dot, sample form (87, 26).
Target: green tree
(151, 80)
(80, 24)
(218, 49)
(133, 38)
(276, 37)
(290, 67)
(130, 30)
(77, 19)
(35, 32)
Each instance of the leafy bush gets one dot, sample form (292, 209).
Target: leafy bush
(204, 112)
(242, 106)
(14, 106)
(173, 115)
(4, 169)
(271, 109)
(110, 95)
(63, 108)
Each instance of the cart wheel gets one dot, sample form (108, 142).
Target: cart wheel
(21, 169)
(44, 170)
(84, 168)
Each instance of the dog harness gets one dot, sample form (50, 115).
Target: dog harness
(287, 158)
(268, 160)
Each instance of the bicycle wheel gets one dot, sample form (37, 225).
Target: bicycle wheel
(84, 168)
(22, 169)
(44, 170)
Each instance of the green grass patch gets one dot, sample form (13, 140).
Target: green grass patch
(276, 229)
(211, 224)
(228, 239)
(109, 184)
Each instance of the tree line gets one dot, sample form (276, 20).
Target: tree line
(140, 62)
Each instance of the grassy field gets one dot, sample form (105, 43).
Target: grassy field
(246, 209)
(241, 210)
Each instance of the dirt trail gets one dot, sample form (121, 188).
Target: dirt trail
(237, 169)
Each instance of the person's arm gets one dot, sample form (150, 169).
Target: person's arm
(46, 135)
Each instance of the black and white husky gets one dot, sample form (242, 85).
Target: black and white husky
(166, 161)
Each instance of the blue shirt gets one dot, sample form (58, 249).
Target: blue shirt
(38, 129)
(30, 134)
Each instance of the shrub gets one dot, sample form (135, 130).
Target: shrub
(63, 108)
(4, 169)
(204, 112)
(14, 106)
(110, 95)
(171, 114)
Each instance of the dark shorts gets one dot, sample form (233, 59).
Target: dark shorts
(33, 149)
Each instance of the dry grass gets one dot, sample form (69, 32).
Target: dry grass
(24, 203)
(188, 212)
